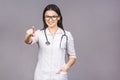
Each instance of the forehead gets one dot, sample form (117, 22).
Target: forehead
(50, 13)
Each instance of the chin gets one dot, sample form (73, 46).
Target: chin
(51, 26)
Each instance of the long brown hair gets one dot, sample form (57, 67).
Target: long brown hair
(57, 10)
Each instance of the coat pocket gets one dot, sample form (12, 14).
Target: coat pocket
(61, 76)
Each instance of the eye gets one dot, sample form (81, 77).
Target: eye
(47, 16)
(54, 16)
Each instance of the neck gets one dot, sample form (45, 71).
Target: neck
(53, 30)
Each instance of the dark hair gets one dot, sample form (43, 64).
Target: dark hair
(57, 10)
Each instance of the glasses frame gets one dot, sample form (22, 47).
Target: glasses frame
(53, 18)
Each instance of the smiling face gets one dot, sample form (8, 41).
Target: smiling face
(51, 18)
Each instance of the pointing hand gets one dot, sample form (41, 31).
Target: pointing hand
(31, 31)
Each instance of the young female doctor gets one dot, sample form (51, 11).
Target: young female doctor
(54, 43)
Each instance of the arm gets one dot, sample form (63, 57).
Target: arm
(69, 64)
(71, 53)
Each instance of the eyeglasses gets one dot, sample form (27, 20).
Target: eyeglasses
(51, 17)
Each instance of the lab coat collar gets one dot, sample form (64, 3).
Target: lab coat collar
(59, 31)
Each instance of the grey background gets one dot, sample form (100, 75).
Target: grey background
(95, 25)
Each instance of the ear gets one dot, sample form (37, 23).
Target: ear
(58, 18)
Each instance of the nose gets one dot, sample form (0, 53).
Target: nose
(50, 19)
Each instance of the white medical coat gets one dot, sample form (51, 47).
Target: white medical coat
(52, 57)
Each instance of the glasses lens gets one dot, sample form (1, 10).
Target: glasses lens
(47, 17)
(51, 17)
(54, 17)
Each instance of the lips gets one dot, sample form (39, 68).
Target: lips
(50, 22)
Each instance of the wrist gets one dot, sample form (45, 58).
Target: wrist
(67, 66)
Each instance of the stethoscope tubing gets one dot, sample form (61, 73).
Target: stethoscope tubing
(48, 43)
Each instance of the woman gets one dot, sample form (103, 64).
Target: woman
(54, 43)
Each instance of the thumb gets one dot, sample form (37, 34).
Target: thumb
(59, 70)
(33, 28)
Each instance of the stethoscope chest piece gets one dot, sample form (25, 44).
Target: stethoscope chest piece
(47, 43)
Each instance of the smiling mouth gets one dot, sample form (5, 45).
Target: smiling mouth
(50, 23)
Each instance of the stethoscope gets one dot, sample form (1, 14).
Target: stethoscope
(64, 35)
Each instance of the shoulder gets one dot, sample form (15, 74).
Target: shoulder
(68, 34)
(39, 31)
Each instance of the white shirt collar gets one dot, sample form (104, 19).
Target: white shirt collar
(59, 31)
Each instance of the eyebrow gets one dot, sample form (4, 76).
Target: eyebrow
(52, 15)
